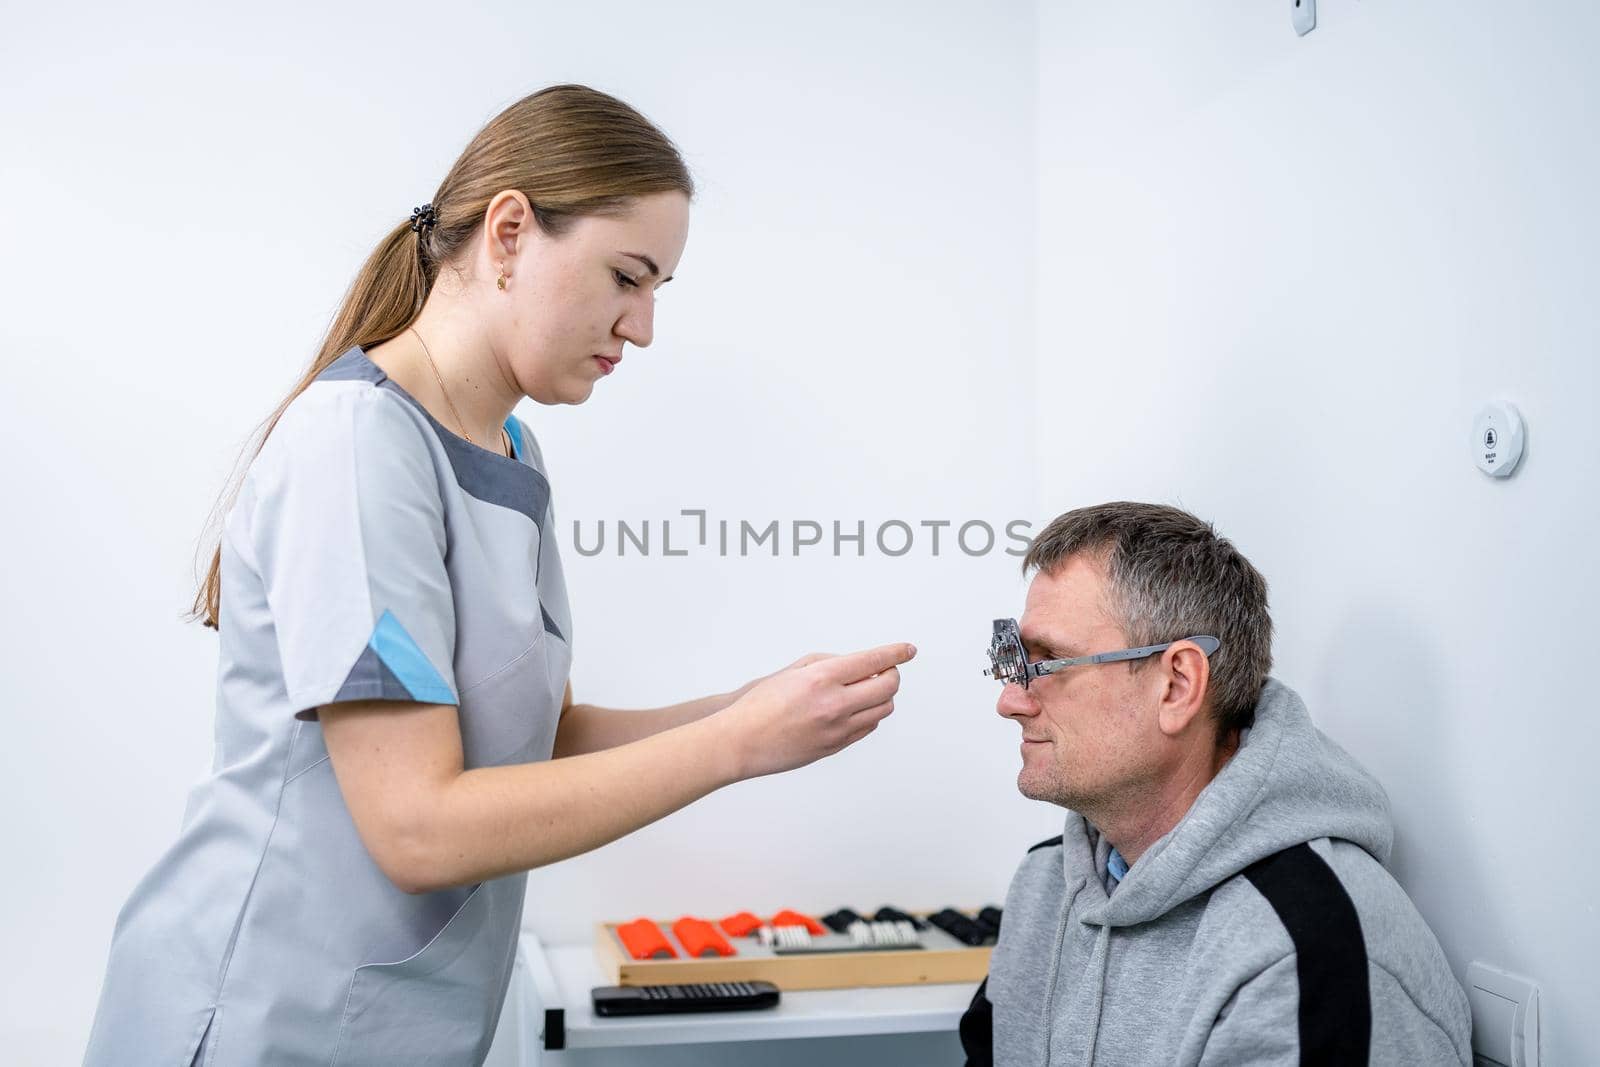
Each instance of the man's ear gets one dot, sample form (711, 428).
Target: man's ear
(1186, 680)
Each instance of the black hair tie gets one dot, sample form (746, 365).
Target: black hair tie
(423, 217)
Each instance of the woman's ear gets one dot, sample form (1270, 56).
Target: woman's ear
(506, 223)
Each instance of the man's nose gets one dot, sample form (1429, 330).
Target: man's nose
(1015, 702)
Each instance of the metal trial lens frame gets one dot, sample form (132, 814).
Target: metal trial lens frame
(1009, 662)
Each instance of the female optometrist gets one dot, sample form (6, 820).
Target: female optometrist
(397, 742)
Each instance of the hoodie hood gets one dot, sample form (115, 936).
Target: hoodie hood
(1287, 784)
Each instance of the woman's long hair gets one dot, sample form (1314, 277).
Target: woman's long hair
(571, 150)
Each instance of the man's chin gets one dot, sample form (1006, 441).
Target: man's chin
(1031, 787)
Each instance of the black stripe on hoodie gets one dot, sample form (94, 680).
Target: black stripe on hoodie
(977, 1029)
(977, 1024)
(1335, 991)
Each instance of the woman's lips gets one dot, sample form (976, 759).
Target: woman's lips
(606, 365)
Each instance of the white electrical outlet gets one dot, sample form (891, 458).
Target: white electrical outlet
(1505, 1016)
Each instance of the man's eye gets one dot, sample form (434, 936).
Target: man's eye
(624, 280)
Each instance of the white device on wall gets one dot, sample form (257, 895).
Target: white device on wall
(1305, 16)
(1497, 437)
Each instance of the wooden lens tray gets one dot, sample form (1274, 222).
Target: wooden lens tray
(940, 959)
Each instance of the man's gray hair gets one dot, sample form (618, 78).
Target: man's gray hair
(1171, 576)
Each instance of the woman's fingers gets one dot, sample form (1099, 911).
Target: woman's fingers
(794, 717)
(857, 733)
(873, 715)
(859, 665)
(874, 690)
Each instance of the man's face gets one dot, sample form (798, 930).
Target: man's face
(1089, 734)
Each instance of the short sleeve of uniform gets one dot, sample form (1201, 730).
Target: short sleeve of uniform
(348, 532)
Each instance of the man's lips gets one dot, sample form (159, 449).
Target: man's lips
(608, 363)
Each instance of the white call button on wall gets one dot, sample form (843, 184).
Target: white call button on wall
(1497, 434)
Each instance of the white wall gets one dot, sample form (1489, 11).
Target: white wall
(1276, 278)
(187, 192)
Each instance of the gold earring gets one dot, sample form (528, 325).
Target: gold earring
(502, 282)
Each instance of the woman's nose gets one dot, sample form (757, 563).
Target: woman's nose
(637, 325)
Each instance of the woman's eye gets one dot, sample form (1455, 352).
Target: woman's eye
(624, 280)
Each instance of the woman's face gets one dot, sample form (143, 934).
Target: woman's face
(572, 303)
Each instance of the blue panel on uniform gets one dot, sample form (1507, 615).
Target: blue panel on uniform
(369, 679)
(402, 656)
(514, 431)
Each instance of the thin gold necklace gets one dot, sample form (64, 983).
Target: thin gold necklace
(446, 394)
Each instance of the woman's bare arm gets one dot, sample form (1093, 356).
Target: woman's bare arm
(586, 728)
(590, 728)
(430, 824)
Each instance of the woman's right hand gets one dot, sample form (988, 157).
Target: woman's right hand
(813, 709)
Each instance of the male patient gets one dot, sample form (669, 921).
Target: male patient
(1218, 895)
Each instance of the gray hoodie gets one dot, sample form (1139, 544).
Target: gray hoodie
(1261, 929)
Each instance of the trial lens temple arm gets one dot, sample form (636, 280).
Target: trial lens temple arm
(1207, 645)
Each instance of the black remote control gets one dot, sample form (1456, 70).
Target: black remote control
(673, 999)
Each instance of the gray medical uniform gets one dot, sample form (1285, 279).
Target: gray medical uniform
(372, 554)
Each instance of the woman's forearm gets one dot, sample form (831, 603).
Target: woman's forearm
(430, 824)
(589, 728)
(493, 821)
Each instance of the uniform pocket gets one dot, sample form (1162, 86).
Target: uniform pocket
(510, 716)
(431, 1007)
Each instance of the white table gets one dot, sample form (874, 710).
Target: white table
(550, 1020)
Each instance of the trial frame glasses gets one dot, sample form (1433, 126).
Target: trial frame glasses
(1009, 661)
